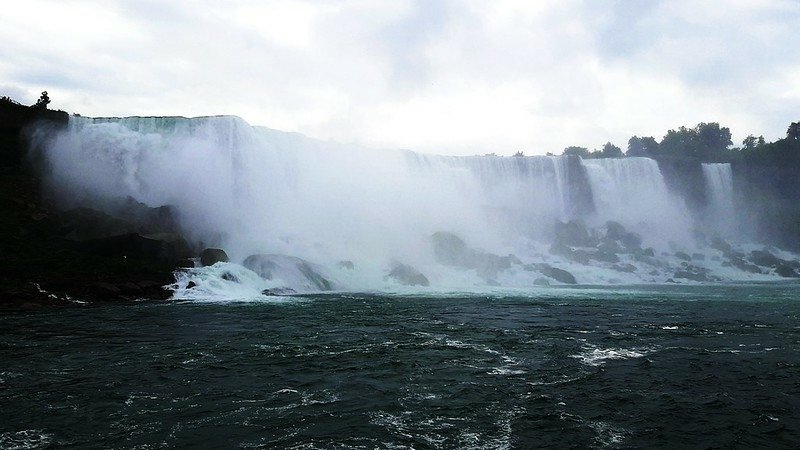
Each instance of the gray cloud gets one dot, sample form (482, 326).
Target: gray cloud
(445, 76)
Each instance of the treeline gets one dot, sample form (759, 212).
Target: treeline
(708, 142)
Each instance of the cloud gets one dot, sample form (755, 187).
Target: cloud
(444, 76)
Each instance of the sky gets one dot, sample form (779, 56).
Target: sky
(448, 77)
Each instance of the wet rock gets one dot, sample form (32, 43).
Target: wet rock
(573, 234)
(786, 271)
(627, 268)
(695, 273)
(292, 270)
(348, 265)
(541, 281)
(742, 265)
(698, 256)
(227, 276)
(765, 258)
(408, 276)
(649, 252)
(683, 256)
(136, 246)
(211, 256)
(185, 263)
(557, 274)
(610, 246)
(605, 256)
(630, 240)
(451, 250)
(278, 292)
(720, 244)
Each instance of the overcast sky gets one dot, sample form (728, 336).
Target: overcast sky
(457, 77)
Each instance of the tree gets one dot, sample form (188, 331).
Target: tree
(751, 142)
(583, 152)
(712, 140)
(642, 146)
(43, 101)
(519, 154)
(611, 151)
(680, 142)
(793, 132)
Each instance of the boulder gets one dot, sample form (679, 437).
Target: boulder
(278, 292)
(541, 281)
(293, 271)
(557, 274)
(682, 255)
(348, 265)
(407, 275)
(211, 256)
(765, 258)
(573, 234)
(786, 271)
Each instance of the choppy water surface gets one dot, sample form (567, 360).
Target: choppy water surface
(685, 366)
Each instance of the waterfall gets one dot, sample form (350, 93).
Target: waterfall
(632, 191)
(720, 210)
(257, 190)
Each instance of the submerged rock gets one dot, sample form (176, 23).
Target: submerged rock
(407, 276)
(289, 269)
(211, 256)
(278, 292)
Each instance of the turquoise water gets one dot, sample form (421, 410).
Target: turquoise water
(682, 366)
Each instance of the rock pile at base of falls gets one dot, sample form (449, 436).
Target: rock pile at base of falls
(575, 242)
(291, 271)
(451, 250)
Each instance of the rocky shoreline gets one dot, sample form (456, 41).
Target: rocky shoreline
(55, 258)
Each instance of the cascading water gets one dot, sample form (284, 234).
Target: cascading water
(254, 190)
(632, 190)
(719, 188)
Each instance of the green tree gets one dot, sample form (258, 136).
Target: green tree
(712, 141)
(751, 142)
(793, 132)
(611, 151)
(642, 146)
(583, 152)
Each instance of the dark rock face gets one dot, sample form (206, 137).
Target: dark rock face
(451, 250)
(132, 245)
(541, 281)
(408, 276)
(683, 256)
(684, 176)
(786, 271)
(211, 256)
(272, 266)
